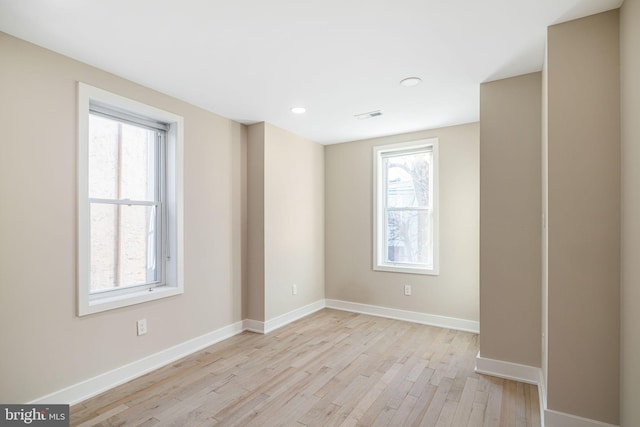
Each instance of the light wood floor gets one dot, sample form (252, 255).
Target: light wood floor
(332, 368)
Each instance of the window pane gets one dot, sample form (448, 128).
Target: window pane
(409, 237)
(122, 160)
(123, 246)
(408, 180)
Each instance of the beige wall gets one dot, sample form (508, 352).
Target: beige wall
(510, 219)
(630, 319)
(286, 221)
(233, 175)
(255, 222)
(294, 221)
(45, 346)
(349, 228)
(584, 217)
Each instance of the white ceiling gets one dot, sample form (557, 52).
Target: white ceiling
(252, 60)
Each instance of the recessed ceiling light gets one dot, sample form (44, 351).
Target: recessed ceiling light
(298, 110)
(411, 81)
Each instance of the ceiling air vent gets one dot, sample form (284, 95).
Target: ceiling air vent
(368, 115)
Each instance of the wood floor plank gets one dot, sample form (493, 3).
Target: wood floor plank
(369, 398)
(476, 416)
(331, 368)
(422, 405)
(105, 415)
(509, 406)
(494, 402)
(447, 413)
(464, 406)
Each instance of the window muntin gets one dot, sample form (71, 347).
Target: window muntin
(130, 202)
(406, 207)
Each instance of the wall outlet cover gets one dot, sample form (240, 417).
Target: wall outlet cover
(142, 326)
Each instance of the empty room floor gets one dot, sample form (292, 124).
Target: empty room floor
(331, 368)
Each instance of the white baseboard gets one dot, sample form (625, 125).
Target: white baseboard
(103, 382)
(508, 370)
(93, 386)
(528, 374)
(542, 396)
(533, 375)
(517, 372)
(253, 326)
(407, 316)
(560, 419)
(284, 319)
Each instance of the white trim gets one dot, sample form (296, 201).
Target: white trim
(560, 419)
(378, 207)
(517, 372)
(284, 319)
(110, 302)
(542, 395)
(175, 203)
(93, 386)
(253, 326)
(533, 375)
(407, 316)
(83, 390)
(108, 380)
(508, 370)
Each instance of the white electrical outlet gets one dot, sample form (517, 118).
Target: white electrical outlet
(407, 290)
(294, 289)
(142, 326)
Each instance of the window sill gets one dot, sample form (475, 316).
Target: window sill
(408, 270)
(100, 304)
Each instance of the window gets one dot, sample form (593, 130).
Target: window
(406, 207)
(129, 202)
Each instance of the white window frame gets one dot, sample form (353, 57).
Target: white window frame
(379, 223)
(173, 271)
